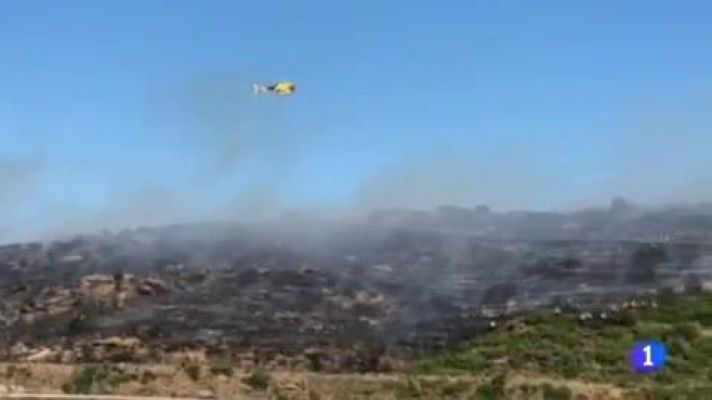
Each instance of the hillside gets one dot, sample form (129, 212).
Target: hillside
(543, 355)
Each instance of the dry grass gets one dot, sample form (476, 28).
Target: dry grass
(171, 381)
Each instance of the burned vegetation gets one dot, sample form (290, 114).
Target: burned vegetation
(366, 296)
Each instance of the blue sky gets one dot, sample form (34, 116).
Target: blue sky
(124, 112)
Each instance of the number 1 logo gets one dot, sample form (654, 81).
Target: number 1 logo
(648, 350)
(648, 356)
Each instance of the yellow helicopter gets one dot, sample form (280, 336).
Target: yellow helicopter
(283, 88)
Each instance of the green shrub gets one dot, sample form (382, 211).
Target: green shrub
(492, 390)
(454, 389)
(83, 323)
(86, 382)
(556, 393)
(557, 345)
(222, 368)
(410, 390)
(704, 317)
(258, 380)
(315, 363)
(689, 330)
(147, 377)
(14, 371)
(696, 393)
(97, 379)
(192, 370)
(468, 362)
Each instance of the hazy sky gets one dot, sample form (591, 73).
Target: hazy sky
(123, 112)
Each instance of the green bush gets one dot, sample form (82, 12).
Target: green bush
(468, 362)
(147, 377)
(454, 389)
(658, 393)
(492, 390)
(86, 382)
(704, 317)
(192, 370)
(556, 393)
(14, 371)
(557, 345)
(222, 368)
(91, 380)
(258, 380)
(691, 331)
(83, 323)
(410, 390)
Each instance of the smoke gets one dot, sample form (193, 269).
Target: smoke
(509, 177)
(141, 205)
(17, 179)
(658, 155)
(18, 183)
(665, 155)
(236, 157)
(231, 153)
(234, 131)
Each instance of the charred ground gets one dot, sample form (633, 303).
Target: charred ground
(364, 295)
